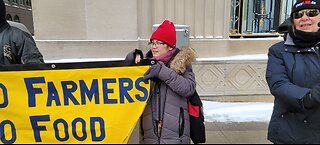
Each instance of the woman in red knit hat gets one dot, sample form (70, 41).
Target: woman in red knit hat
(166, 119)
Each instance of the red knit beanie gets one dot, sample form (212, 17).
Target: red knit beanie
(166, 33)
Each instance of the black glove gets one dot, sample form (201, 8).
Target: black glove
(312, 99)
(136, 52)
(153, 71)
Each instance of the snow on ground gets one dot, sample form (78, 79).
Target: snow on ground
(237, 112)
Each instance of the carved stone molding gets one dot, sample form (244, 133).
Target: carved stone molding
(229, 78)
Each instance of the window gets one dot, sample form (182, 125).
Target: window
(8, 17)
(21, 2)
(254, 18)
(28, 3)
(16, 18)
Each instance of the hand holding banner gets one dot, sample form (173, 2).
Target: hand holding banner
(82, 105)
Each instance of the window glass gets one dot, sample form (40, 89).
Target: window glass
(16, 18)
(251, 18)
(8, 17)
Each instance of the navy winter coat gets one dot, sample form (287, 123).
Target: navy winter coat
(291, 73)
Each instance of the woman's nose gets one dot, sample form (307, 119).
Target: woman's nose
(305, 17)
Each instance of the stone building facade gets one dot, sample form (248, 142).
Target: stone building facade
(20, 11)
(69, 29)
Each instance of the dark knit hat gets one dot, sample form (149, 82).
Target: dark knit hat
(2, 13)
(166, 33)
(305, 4)
(284, 27)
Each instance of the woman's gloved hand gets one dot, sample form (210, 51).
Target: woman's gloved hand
(312, 99)
(137, 55)
(153, 71)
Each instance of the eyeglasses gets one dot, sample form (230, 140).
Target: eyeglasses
(157, 43)
(309, 13)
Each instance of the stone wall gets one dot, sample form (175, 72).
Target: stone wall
(231, 78)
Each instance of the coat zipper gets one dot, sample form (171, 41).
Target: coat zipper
(159, 121)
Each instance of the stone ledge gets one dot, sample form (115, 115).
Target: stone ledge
(231, 78)
(248, 98)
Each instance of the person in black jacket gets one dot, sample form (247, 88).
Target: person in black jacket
(16, 46)
(293, 76)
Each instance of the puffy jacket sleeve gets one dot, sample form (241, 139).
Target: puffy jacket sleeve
(129, 60)
(28, 51)
(279, 82)
(131, 56)
(183, 85)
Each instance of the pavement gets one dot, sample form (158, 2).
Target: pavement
(228, 133)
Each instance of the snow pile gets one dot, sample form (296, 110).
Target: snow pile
(237, 112)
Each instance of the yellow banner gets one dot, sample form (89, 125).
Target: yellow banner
(87, 105)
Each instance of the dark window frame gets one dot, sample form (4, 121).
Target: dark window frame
(258, 18)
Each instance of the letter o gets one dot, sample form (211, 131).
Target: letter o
(5, 96)
(56, 130)
(2, 133)
(83, 129)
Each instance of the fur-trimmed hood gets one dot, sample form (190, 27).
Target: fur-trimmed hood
(183, 59)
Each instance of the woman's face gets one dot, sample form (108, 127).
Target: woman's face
(159, 48)
(307, 20)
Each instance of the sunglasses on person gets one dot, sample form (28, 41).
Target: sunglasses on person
(309, 13)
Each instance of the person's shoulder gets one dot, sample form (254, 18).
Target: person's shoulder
(18, 33)
(20, 26)
(17, 30)
(278, 47)
(279, 44)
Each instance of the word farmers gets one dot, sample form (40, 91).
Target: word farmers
(104, 91)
